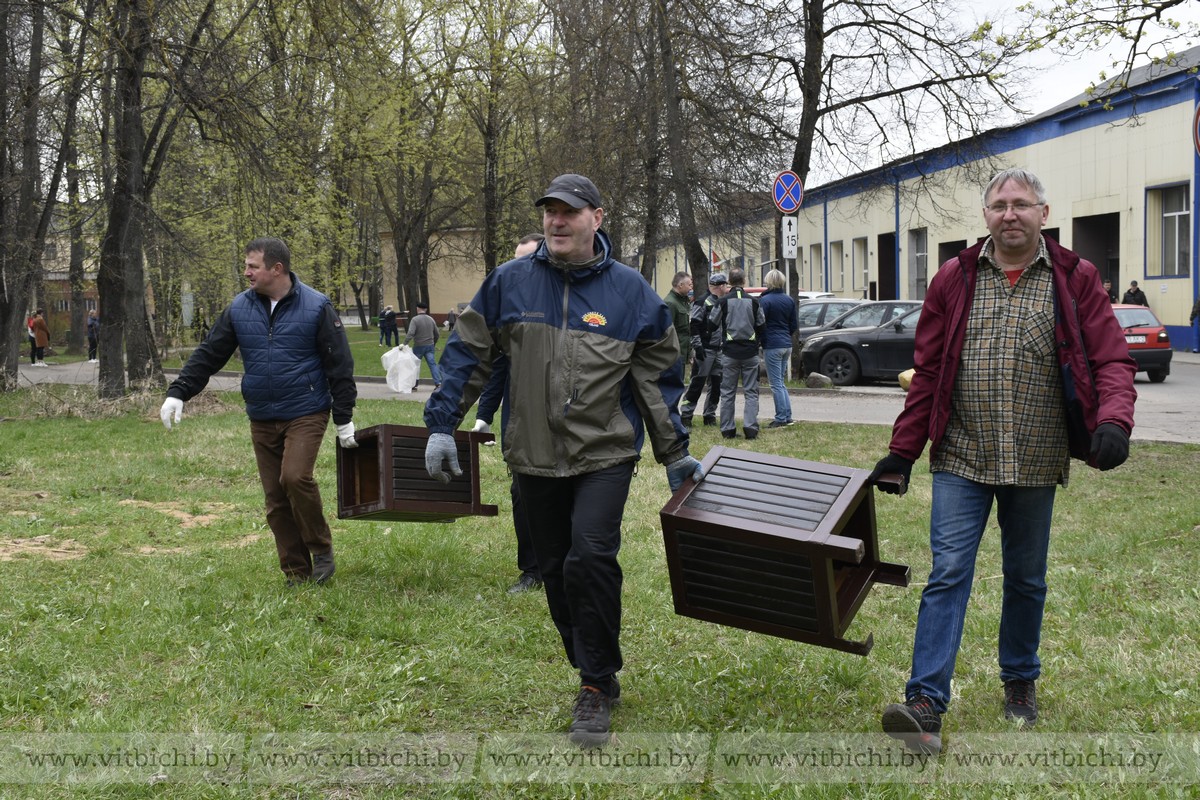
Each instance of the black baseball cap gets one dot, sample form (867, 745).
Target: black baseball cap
(574, 190)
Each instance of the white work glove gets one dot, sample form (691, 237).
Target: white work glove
(171, 411)
(483, 427)
(345, 435)
(681, 469)
(441, 449)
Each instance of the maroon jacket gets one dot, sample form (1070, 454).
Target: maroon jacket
(1090, 341)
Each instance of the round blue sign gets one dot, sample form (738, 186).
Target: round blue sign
(788, 191)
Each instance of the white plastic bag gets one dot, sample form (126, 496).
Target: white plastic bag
(403, 368)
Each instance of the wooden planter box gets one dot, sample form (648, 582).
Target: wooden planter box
(776, 545)
(384, 478)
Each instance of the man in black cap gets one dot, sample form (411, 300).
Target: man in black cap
(1134, 296)
(706, 353)
(591, 353)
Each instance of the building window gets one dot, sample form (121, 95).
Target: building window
(815, 268)
(918, 263)
(1168, 232)
(858, 263)
(837, 267)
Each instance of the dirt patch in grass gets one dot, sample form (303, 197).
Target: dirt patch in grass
(43, 546)
(212, 512)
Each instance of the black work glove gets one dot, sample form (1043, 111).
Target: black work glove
(699, 353)
(894, 465)
(1110, 446)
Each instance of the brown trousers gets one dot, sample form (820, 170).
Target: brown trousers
(286, 451)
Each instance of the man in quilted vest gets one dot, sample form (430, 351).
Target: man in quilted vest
(298, 369)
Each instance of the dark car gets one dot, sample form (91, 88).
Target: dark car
(1149, 343)
(848, 355)
(871, 314)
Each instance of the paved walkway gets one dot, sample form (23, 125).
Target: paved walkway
(1163, 413)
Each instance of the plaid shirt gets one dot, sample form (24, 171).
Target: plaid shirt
(1006, 422)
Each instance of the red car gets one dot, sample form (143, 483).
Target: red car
(1149, 343)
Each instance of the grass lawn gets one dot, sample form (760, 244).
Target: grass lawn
(143, 606)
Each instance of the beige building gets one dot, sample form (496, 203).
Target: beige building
(455, 271)
(1121, 177)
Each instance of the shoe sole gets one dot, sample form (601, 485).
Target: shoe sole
(1028, 722)
(899, 723)
(589, 738)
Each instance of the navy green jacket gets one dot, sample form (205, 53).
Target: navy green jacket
(593, 365)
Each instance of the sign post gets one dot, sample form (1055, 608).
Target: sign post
(788, 236)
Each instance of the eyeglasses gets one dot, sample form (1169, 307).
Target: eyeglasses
(1020, 207)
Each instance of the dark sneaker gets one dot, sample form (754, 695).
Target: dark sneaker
(915, 723)
(751, 434)
(323, 567)
(729, 434)
(685, 416)
(777, 424)
(1020, 701)
(525, 583)
(710, 421)
(298, 580)
(590, 719)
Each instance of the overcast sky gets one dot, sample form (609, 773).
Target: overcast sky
(1055, 79)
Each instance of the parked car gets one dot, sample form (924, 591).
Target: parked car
(871, 314)
(1149, 343)
(812, 315)
(848, 355)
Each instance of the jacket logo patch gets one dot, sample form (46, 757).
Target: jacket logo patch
(595, 319)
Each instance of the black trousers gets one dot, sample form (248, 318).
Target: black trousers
(526, 557)
(575, 524)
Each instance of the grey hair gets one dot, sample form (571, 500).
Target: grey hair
(775, 280)
(1021, 176)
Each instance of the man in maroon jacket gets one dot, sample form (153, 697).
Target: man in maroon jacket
(1011, 329)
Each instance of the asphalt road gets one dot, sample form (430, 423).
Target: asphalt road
(1165, 411)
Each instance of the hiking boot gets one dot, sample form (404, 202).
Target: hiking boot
(751, 434)
(323, 567)
(1020, 701)
(527, 582)
(591, 716)
(915, 723)
(729, 434)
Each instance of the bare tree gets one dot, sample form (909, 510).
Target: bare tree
(1150, 31)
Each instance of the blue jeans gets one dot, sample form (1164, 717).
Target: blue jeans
(957, 521)
(425, 351)
(778, 360)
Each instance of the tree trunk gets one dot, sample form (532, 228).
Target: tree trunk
(124, 217)
(698, 260)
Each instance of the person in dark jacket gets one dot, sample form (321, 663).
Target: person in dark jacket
(781, 326)
(1110, 291)
(706, 353)
(741, 323)
(298, 368)
(591, 356)
(678, 299)
(530, 576)
(93, 335)
(1135, 296)
(1001, 324)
